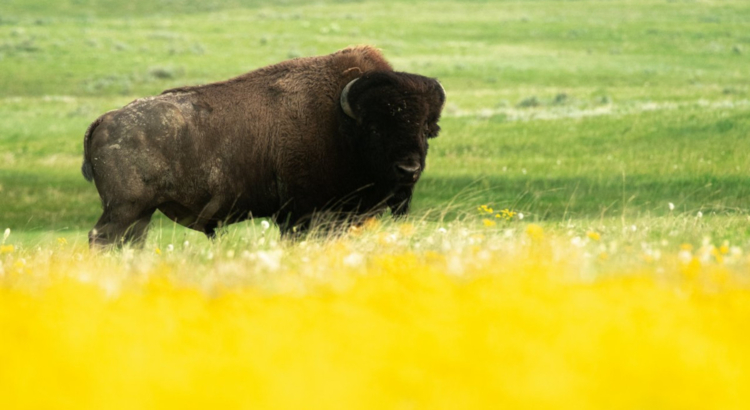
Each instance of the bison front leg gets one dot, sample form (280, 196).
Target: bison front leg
(207, 221)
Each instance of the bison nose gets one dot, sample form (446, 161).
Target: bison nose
(408, 171)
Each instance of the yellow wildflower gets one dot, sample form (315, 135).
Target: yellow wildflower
(406, 229)
(489, 222)
(158, 251)
(719, 276)
(594, 236)
(718, 254)
(485, 209)
(62, 241)
(506, 214)
(692, 268)
(6, 249)
(535, 232)
(371, 224)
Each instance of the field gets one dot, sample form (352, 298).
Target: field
(579, 239)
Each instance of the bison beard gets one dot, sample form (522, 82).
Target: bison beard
(334, 138)
(400, 201)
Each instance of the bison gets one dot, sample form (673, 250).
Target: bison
(342, 135)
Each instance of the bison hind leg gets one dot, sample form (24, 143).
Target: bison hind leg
(119, 225)
(209, 228)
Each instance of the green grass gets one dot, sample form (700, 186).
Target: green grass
(566, 111)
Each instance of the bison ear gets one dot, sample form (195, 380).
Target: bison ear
(344, 100)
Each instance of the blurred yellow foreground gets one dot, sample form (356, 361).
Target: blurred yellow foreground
(514, 321)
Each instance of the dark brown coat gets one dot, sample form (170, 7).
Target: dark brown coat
(274, 142)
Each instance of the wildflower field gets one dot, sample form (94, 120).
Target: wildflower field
(580, 237)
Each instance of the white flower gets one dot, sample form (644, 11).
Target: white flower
(128, 254)
(671, 206)
(354, 259)
(455, 266)
(442, 230)
(520, 215)
(700, 214)
(170, 247)
(265, 225)
(186, 244)
(110, 286)
(6, 234)
(270, 259)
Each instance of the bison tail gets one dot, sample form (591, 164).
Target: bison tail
(87, 169)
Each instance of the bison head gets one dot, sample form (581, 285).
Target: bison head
(389, 117)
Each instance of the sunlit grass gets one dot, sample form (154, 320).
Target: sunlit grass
(412, 314)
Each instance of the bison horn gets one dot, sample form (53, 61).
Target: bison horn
(445, 97)
(345, 100)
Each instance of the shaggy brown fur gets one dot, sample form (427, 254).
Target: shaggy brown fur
(273, 142)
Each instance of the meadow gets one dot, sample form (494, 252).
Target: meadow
(580, 237)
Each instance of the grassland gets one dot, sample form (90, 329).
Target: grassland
(617, 128)
(559, 109)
